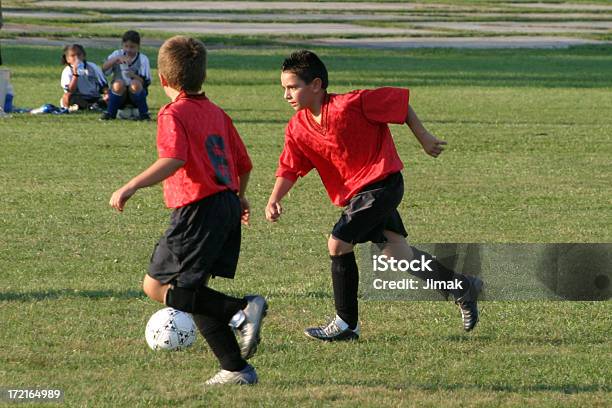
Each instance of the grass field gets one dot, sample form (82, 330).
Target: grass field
(530, 142)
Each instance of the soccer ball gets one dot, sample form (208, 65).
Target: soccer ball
(170, 329)
(127, 113)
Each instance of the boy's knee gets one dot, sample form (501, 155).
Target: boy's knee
(135, 87)
(154, 289)
(118, 87)
(338, 247)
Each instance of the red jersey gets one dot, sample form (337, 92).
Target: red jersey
(195, 130)
(352, 147)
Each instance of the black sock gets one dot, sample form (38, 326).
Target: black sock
(205, 301)
(439, 273)
(222, 342)
(345, 281)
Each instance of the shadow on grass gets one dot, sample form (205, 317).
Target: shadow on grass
(562, 388)
(69, 294)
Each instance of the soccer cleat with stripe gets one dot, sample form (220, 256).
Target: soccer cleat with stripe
(249, 332)
(336, 330)
(468, 303)
(247, 376)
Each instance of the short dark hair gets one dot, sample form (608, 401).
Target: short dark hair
(182, 61)
(307, 66)
(72, 47)
(131, 36)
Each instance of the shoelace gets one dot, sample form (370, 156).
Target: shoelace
(331, 328)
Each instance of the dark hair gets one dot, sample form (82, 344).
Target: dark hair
(307, 66)
(72, 47)
(182, 61)
(131, 36)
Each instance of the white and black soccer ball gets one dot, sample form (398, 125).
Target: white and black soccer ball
(170, 329)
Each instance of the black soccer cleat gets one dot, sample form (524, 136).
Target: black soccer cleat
(145, 117)
(336, 330)
(468, 303)
(106, 116)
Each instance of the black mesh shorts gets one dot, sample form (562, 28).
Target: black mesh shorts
(203, 240)
(372, 211)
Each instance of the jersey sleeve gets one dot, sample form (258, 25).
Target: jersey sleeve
(100, 77)
(292, 162)
(385, 105)
(145, 70)
(111, 56)
(171, 138)
(66, 78)
(239, 151)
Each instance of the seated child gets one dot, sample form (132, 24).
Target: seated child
(131, 77)
(82, 81)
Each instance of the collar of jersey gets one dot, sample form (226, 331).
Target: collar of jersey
(183, 94)
(321, 128)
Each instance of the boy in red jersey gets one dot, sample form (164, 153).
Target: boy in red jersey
(346, 137)
(205, 168)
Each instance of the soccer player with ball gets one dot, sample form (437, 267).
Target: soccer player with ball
(346, 138)
(205, 168)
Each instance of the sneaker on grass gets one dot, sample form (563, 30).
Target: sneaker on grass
(468, 303)
(336, 330)
(247, 376)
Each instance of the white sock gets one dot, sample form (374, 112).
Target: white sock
(341, 323)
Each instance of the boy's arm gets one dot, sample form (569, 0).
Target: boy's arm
(274, 208)
(244, 203)
(431, 144)
(158, 171)
(72, 82)
(111, 62)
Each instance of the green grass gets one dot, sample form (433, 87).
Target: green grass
(530, 142)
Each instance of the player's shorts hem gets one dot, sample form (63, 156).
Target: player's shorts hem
(372, 211)
(203, 239)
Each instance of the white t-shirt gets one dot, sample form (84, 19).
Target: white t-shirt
(89, 84)
(139, 65)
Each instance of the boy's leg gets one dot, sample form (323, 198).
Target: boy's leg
(138, 95)
(73, 98)
(361, 221)
(116, 96)
(218, 335)
(206, 301)
(66, 99)
(465, 297)
(154, 289)
(204, 239)
(345, 282)
(222, 342)
(397, 247)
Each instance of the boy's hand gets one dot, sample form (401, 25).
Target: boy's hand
(120, 197)
(273, 211)
(431, 144)
(246, 211)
